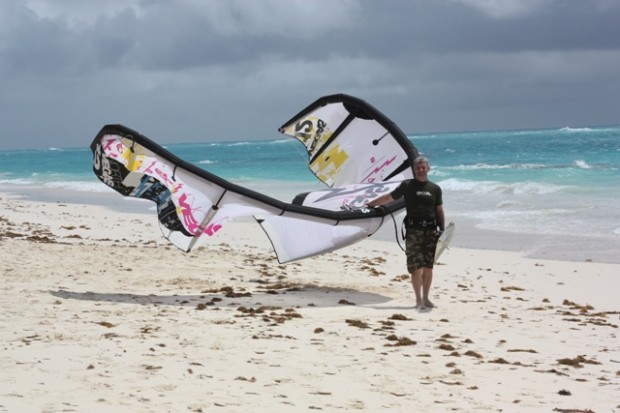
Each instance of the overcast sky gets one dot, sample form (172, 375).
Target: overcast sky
(213, 70)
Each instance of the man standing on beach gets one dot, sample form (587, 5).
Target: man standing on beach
(424, 222)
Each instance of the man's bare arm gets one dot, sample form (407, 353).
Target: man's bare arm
(441, 218)
(382, 200)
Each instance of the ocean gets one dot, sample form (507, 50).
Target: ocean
(551, 193)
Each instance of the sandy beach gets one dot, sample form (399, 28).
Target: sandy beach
(100, 313)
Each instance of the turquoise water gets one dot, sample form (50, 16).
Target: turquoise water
(556, 184)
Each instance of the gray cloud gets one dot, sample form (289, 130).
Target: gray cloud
(190, 70)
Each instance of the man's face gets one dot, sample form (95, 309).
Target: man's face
(421, 169)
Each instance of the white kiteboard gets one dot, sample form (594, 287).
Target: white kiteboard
(444, 240)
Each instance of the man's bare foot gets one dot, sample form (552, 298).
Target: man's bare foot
(428, 303)
(420, 305)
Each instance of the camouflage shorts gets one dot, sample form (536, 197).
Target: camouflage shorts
(420, 248)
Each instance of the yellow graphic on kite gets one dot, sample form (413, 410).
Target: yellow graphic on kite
(328, 165)
(133, 161)
(314, 133)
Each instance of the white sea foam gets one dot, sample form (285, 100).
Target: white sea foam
(281, 141)
(519, 219)
(18, 181)
(582, 164)
(79, 186)
(491, 187)
(486, 166)
(535, 188)
(573, 130)
(438, 172)
(509, 204)
(206, 162)
(517, 215)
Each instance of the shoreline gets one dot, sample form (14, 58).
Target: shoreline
(468, 234)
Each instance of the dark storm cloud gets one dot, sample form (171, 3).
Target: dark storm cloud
(442, 27)
(170, 37)
(192, 70)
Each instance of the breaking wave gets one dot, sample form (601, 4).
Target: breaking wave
(496, 187)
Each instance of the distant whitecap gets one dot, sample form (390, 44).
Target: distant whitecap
(582, 164)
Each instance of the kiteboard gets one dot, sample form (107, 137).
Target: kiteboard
(444, 240)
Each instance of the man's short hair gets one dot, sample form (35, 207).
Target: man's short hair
(420, 159)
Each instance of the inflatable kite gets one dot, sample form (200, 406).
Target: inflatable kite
(355, 150)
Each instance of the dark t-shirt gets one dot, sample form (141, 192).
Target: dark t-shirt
(421, 198)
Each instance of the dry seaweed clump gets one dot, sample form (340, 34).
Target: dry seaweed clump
(399, 317)
(400, 341)
(357, 323)
(269, 313)
(472, 353)
(446, 347)
(576, 362)
(575, 306)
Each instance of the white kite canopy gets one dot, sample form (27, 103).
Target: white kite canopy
(350, 142)
(353, 148)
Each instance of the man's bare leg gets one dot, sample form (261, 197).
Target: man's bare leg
(427, 280)
(416, 282)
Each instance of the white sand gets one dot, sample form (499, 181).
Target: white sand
(99, 313)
